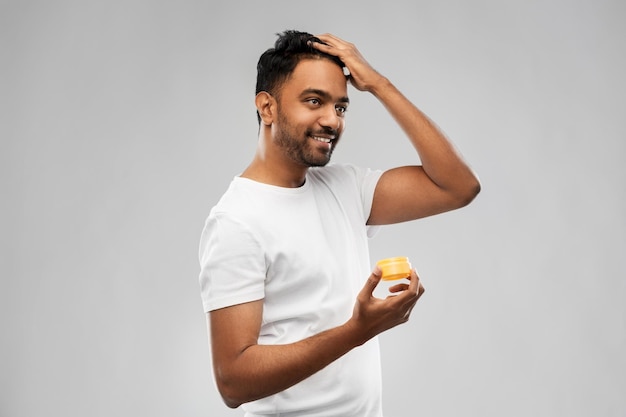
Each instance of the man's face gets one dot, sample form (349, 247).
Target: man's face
(311, 111)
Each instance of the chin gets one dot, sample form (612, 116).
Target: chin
(318, 163)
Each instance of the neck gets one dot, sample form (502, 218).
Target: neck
(271, 166)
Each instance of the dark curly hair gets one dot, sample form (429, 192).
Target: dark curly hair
(276, 64)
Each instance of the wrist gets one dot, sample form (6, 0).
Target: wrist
(380, 86)
(355, 333)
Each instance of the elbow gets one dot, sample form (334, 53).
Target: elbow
(468, 192)
(236, 383)
(231, 396)
(230, 402)
(473, 190)
(236, 388)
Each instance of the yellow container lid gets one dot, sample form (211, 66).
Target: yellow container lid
(395, 268)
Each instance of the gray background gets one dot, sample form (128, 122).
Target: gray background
(123, 121)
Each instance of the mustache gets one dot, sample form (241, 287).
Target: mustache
(325, 131)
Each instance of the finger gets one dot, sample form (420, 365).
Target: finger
(320, 45)
(398, 288)
(420, 290)
(414, 283)
(328, 37)
(372, 281)
(331, 42)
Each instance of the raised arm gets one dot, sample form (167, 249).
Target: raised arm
(246, 371)
(443, 182)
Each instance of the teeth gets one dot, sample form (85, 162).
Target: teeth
(325, 140)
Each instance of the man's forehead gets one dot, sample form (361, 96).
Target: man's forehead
(321, 75)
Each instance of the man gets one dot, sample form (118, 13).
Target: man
(284, 254)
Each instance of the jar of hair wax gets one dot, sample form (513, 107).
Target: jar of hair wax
(395, 268)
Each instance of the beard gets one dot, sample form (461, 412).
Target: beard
(300, 146)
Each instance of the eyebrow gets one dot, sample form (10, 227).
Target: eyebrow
(324, 94)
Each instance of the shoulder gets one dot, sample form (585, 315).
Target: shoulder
(241, 200)
(342, 173)
(232, 215)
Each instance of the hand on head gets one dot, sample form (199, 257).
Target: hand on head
(362, 75)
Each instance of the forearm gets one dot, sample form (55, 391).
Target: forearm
(246, 371)
(262, 370)
(439, 158)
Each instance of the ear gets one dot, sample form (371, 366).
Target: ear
(266, 106)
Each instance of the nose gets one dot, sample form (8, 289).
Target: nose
(331, 120)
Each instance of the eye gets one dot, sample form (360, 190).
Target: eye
(341, 110)
(314, 101)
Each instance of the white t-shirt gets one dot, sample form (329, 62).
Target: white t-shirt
(304, 251)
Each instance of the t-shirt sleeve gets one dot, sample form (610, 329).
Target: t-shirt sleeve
(232, 264)
(367, 179)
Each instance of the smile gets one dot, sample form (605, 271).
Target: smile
(320, 139)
